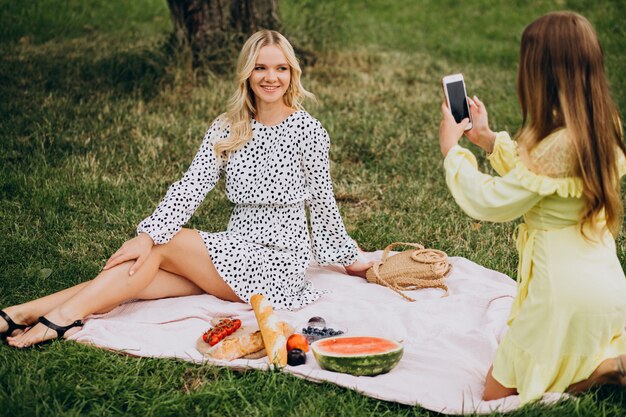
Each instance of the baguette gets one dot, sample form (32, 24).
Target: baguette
(240, 345)
(274, 340)
(287, 331)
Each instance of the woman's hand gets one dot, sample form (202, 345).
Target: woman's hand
(137, 248)
(480, 134)
(359, 267)
(449, 131)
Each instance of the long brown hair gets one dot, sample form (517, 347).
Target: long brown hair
(242, 104)
(561, 83)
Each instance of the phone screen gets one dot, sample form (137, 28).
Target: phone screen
(458, 102)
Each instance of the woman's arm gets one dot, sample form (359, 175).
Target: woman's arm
(184, 196)
(330, 242)
(501, 149)
(482, 196)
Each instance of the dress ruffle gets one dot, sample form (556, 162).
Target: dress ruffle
(543, 185)
(505, 157)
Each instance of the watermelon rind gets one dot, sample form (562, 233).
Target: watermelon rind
(358, 365)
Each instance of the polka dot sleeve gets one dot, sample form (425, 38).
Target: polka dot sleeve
(330, 242)
(184, 196)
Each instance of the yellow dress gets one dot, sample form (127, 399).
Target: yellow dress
(569, 313)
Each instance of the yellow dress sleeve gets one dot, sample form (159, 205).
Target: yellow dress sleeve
(481, 196)
(504, 154)
(501, 198)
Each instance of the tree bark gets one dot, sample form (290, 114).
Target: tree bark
(214, 30)
(249, 16)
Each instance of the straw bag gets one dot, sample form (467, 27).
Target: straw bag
(410, 270)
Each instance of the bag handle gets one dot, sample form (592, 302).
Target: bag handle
(393, 245)
(429, 256)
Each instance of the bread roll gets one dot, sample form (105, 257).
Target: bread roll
(241, 344)
(236, 347)
(273, 338)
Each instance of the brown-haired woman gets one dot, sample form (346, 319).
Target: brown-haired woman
(567, 323)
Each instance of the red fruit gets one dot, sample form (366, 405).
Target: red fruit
(214, 340)
(297, 341)
(225, 327)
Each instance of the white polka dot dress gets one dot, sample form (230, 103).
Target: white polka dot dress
(267, 246)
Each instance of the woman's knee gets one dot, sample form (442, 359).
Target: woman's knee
(185, 242)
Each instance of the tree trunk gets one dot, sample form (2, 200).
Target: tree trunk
(214, 30)
(249, 16)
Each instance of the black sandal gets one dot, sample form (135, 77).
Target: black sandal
(59, 329)
(13, 326)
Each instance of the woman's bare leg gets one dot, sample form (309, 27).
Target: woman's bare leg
(29, 312)
(495, 390)
(185, 255)
(606, 373)
(164, 283)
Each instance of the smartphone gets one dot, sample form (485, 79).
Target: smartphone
(456, 97)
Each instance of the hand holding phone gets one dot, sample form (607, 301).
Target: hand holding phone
(456, 98)
(480, 134)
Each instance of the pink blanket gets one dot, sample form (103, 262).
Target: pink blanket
(449, 342)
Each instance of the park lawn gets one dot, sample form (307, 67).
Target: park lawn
(96, 122)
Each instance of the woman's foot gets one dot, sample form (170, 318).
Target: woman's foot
(12, 322)
(55, 324)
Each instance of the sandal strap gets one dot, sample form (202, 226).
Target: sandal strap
(13, 326)
(59, 329)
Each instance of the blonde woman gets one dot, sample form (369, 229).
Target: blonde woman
(274, 157)
(567, 323)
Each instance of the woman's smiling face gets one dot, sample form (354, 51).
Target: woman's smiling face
(271, 75)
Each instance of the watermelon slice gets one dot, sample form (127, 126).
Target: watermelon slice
(357, 355)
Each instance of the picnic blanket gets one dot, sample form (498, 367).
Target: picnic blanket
(449, 342)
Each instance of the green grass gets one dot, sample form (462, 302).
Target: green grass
(96, 122)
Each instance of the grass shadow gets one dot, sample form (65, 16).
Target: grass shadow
(81, 74)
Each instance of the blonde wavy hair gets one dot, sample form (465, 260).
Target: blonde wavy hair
(561, 83)
(242, 104)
